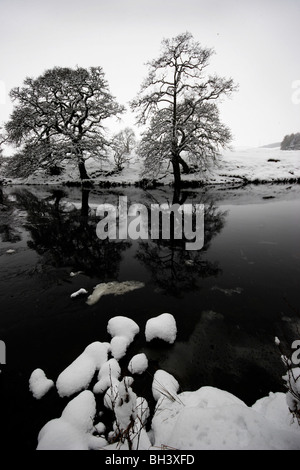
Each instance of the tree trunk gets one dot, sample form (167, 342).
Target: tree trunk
(82, 170)
(185, 167)
(177, 179)
(85, 202)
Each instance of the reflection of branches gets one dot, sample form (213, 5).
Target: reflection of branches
(174, 268)
(8, 231)
(66, 236)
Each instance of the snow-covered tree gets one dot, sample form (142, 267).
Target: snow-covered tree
(60, 115)
(122, 145)
(178, 101)
(291, 142)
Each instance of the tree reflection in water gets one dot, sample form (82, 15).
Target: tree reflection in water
(8, 231)
(65, 236)
(176, 270)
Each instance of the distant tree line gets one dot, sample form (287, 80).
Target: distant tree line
(291, 142)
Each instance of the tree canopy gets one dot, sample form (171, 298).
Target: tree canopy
(178, 103)
(58, 116)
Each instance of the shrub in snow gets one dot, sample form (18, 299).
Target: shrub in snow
(131, 413)
(111, 394)
(292, 383)
(138, 364)
(162, 327)
(164, 385)
(109, 370)
(292, 380)
(39, 385)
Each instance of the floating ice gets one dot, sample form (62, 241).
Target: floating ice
(79, 292)
(113, 288)
(235, 290)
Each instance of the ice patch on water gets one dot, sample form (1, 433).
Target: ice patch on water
(113, 288)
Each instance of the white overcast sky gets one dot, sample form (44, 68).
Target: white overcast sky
(256, 43)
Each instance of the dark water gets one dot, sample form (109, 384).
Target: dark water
(229, 299)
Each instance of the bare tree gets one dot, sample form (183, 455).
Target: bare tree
(122, 145)
(60, 115)
(179, 102)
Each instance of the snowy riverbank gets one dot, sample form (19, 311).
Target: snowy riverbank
(238, 166)
(204, 419)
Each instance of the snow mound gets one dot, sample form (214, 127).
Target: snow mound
(78, 375)
(213, 419)
(73, 430)
(39, 385)
(163, 327)
(205, 419)
(164, 385)
(123, 330)
(138, 364)
(109, 370)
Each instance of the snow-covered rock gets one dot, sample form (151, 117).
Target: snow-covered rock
(138, 364)
(163, 327)
(73, 430)
(78, 375)
(39, 385)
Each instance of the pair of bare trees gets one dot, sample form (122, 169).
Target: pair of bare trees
(60, 114)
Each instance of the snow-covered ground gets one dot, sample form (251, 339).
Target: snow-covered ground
(237, 165)
(207, 418)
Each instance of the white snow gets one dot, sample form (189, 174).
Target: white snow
(213, 419)
(113, 288)
(204, 419)
(277, 341)
(73, 430)
(164, 384)
(39, 385)
(138, 364)
(163, 327)
(79, 292)
(123, 330)
(78, 375)
(109, 370)
(236, 165)
(72, 274)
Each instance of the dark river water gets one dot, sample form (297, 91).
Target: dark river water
(230, 299)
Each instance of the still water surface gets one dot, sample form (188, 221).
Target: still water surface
(229, 299)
